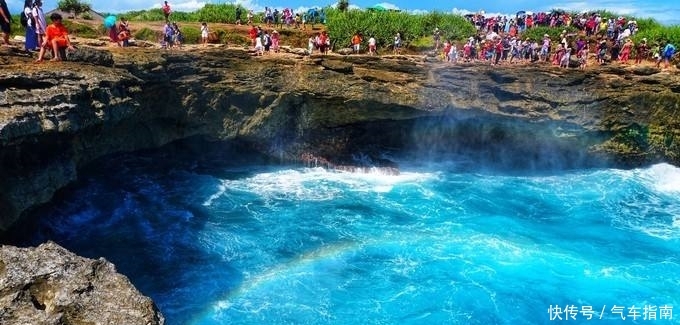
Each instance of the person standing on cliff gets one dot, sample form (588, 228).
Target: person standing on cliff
(5, 21)
(252, 34)
(642, 51)
(666, 54)
(204, 34)
(166, 10)
(40, 21)
(356, 42)
(238, 15)
(31, 43)
(397, 44)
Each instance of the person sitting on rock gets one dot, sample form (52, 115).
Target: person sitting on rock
(56, 40)
(124, 33)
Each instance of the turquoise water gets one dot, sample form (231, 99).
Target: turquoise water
(246, 242)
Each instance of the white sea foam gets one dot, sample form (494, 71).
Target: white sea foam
(316, 184)
(663, 177)
(221, 189)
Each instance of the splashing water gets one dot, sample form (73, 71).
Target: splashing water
(273, 245)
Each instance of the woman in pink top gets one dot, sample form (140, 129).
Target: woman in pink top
(625, 51)
(275, 41)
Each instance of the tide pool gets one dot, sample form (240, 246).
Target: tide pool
(234, 243)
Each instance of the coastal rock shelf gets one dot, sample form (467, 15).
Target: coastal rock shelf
(57, 118)
(50, 285)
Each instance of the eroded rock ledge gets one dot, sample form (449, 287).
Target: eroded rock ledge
(56, 118)
(49, 285)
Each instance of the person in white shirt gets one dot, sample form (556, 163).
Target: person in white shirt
(372, 46)
(40, 20)
(310, 44)
(204, 33)
(259, 48)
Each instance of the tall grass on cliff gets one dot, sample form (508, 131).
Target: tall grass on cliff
(210, 13)
(384, 25)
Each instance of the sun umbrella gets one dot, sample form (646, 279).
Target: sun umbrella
(110, 21)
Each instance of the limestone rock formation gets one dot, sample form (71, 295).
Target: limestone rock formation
(57, 118)
(49, 285)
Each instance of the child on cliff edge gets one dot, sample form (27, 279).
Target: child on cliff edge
(56, 40)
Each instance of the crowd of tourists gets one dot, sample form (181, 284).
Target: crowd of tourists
(499, 41)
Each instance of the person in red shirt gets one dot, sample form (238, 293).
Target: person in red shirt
(253, 34)
(166, 10)
(56, 38)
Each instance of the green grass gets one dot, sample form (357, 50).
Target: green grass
(384, 25)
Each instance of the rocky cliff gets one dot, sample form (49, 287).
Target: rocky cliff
(50, 285)
(337, 110)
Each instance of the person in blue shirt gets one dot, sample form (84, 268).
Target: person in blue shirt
(666, 55)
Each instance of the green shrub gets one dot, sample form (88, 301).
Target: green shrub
(384, 25)
(147, 34)
(661, 33)
(81, 30)
(210, 13)
(192, 35)
(86, 16)
(232, 38)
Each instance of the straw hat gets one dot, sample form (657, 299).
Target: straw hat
(275, 32)
(546, 35)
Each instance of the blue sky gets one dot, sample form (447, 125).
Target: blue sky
(666, 11)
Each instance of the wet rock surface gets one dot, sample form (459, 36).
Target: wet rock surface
(57, 118)
(49, 285)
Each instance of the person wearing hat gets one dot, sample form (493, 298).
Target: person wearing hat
(437, 38)
(275, 41)
(545, 48)
(56, 39)
(601, 52)
(642, 51)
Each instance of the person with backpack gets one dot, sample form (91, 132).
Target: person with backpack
(28, 22)
(666, 55)
(5, 21)
(266, 41)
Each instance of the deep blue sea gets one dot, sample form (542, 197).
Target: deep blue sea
(237, 240)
